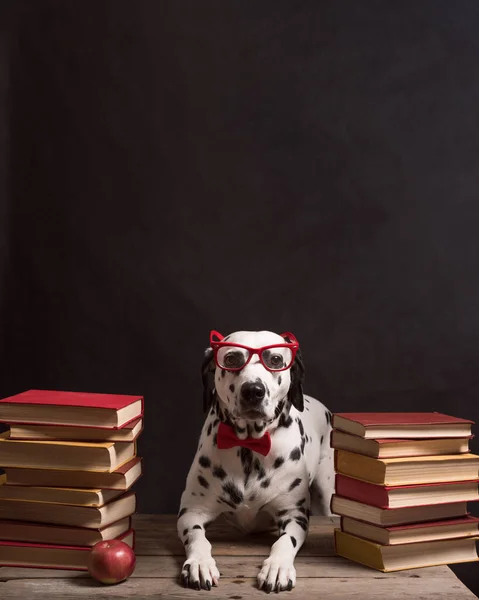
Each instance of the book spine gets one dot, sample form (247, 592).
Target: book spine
(367, 493)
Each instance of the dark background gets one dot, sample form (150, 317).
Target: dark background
(168, 167)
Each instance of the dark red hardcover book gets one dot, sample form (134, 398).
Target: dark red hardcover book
(106, 403)
(378, 495)
(401, 418)
(74, 558)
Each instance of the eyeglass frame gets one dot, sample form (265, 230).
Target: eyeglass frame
(216, 345)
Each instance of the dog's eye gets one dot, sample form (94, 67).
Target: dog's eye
(273, 361)
(233, 360)
(276, 360)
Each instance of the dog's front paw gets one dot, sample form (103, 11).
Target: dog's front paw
(277, 575)
(200, 574)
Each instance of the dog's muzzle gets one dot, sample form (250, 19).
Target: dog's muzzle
(252, 394)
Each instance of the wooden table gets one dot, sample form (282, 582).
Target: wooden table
(320, 574)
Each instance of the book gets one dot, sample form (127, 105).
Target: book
(49, 556)
(391, 448)
(405, 556)
(92, 517)
(128, 433)
(86, 456)
(402, 425)
(406, 495)
(121, 478)
(467, 526)
(346, 507)
(41, 533)
(58, 495)
(407, 470)
(110, 411)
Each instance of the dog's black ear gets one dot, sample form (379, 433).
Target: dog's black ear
(208, 377)
(295, 393)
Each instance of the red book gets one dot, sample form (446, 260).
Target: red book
(60, 535)
(50, 556)
(402, 425)
(109, 411)
(401, 496)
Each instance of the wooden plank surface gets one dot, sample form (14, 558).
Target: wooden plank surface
(343, 588)
(160, 555)
(237, 567)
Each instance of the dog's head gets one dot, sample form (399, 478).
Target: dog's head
(251, 385)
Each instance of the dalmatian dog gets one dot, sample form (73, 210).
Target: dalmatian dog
(264, 459)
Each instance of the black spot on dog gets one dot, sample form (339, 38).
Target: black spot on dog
(185, 531)
(247, 462)
(233, 492)
(182, 512)
(219, 472)
(216, 421)
(302, 510)
(293, 541)
(193, 493)
(295, 454)
(202, 481)
(204, 462)
(328, 417)
(232, 387)
(197, 527)
(285, 421)
(225, 501)
(295, 483)
(303, 441)
(300, 502)
(267, 388)
(282, 512)
(223, 372)
(301, 428)
(201, 494)
(302, 523)
(215, 439)
(278, 462)
(286, 523)
(279, 524)
(187, 541)
(279, 380)
(252, 497)
(259, 468)
(322, 437)
(265, 483)
(210, 427)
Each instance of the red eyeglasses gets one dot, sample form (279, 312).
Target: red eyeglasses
(234, 357)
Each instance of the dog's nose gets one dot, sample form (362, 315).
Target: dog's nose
(253, 392)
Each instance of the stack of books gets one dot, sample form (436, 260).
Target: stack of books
(403, 481)
(69, 461)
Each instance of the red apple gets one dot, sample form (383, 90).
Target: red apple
(111, 561)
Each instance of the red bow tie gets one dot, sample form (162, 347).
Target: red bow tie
(227, 438)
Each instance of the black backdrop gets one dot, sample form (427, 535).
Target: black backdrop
(168, 167)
